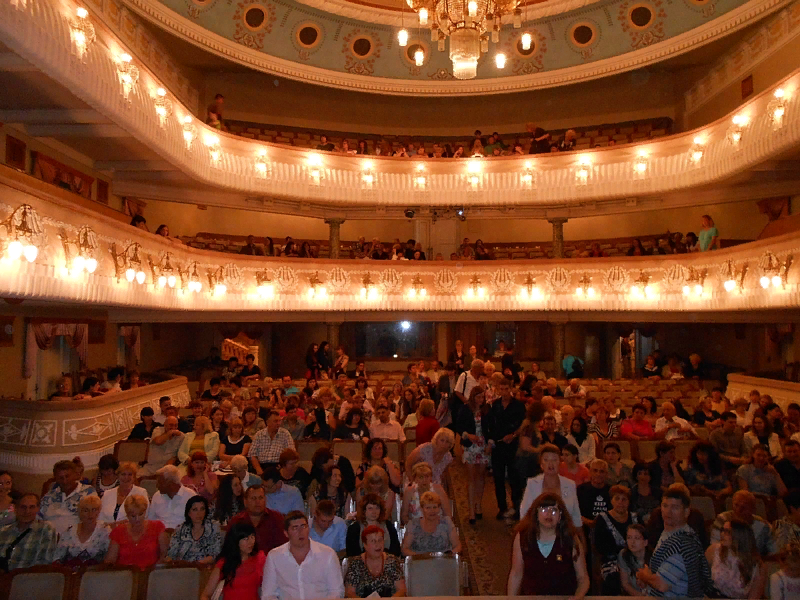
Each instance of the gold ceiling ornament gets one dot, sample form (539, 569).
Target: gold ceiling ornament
(82, 256)
(24, 233)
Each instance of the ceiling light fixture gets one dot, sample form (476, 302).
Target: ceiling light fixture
(127, 73)
(81, 32)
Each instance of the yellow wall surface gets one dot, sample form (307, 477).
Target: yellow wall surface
(12, 383)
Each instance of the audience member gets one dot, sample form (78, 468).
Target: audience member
(163, 449)
(230, 499)
(421, 482)
(665, 469)
(594, 495)
(744, 508)
(376, 481)
(644, 497)
(637, 427)
(736, 567)
(280, 498)
(672, 427)
(235, 442)
(268, 523)
(112, 508)
(610, 534)
(759, 476)
(27, 541)
(374, 571)
(59, 506)
(549, 479)
(436, 453)
(633, 557)
(570, 467)
(198, 539)
(106, 474)
(144, 429)
(762, 434)
(7, 508)
(265, 451)
(705, 475)
(87, 542)
(331, 488)
(327, 528)
(789, 466)
(785, 584)
(787, 529)
(372, 511)
(728, 441)
(169, 502)
(384, 428)
(239, 570)
(433, 532)
(200, 439)
(199, 477)
(140, 541)
(603, 427)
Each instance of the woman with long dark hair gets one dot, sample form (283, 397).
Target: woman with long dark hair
(633, 557)
(579, 436)
(705, 475)
(230, 498)
(736, 567)
(239, 568)
(324, 359)
(548, 543)
(312, 362)
(333, 489)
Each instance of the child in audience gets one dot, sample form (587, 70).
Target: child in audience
(785, 584)
(633, 557)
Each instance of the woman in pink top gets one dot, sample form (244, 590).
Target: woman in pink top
(240, 568)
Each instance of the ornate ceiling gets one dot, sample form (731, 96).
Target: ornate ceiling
(353, 45)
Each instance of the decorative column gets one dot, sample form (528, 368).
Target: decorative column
(558, 236)
(333, 337)
(559, 343)
(333, 236)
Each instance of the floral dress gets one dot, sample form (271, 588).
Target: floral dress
(365, 583)
(437, 541)
(72, 551)
(476, 453)
(183, 546)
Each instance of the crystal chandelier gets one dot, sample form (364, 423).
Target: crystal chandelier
(469, 24)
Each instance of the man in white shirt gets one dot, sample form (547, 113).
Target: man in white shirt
(435, 373)
(468, 380)
(169, 502)
(671, 427)
(384, 428)
(164, 402)
(575, 389)
(328, 529)
(113, 383)
(301, 569)
(59, 506)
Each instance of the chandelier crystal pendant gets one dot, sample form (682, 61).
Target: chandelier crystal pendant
(469, 24)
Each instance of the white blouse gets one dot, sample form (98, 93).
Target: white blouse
(110, 503)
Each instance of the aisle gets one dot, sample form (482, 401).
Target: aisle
(487, 544)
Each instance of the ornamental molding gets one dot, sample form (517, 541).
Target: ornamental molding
(39, 32)
(184, 28)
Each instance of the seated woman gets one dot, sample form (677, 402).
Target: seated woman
(651, 409)
(759, 476)
(651, 370)
(198, 539)
(705, 475)
(200, 439)
(353, 428)
(199, 476)
(375, 455)
(144, 430)
(89, 389)
(579, 437)
(610, 533)
(432, 532)
(545, 538)
(251, 422)
(376, 481)
(633, 557)
(234, 443)
(106, 474)
(113, 503)
(87, 542)
(371, 512)
(230, 499)
(331, 488)
(321, 463)
(137, 542)
(602, 426)
(218, 423)
(421, 482)
(239, 568)
(644, 496)
(374, 571)
(762, 434)
(618, 472)
(570, 467)
(704, 415)
(736, 567)
(436, 453)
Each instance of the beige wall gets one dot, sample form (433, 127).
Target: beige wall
(765, 75)
(12, 383)
(253, 97)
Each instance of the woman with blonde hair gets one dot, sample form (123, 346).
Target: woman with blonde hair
(427, 424)
(372, 511)
(137, 542)
(85, 543)
(736, 567)
(433, 531)
(421, 482)
(436, 453)
(112, 509)
(708, 239)
(235, 442)
(200, 439)
(376, 481)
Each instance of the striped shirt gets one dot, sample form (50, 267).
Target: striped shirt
(268, 449)
(679, 560)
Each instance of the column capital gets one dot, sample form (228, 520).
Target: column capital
(557, 220)
(334, 221)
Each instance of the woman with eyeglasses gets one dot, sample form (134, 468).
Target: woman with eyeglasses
(548, 543)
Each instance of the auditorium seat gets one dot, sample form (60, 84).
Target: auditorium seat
(351, 450)
(107, 582)
(306, 450)
(174, 581)
(45, 582)
(134, 451)
(433, 575)
(705, 504)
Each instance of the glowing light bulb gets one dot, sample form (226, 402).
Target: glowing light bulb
(419, 57)
(82, 12)
(740, 120)
(472, 8)
(220, 289)
(729, 285)
(686, 290)
(778, 113)
(311, 292)
(372, 294)
(423, 16)
(698, 290)
(779, 93)
(171, 281)
(323, 292)
(363, 292)
(470, 292)
(590, 292)
(78, 264)
(481, 292)
(649, 291)
(635, 290)
(15, 250)
(162, 281)
(526, 40)
(130, 274)
(30, 253)
(140, 276)
(764, 281)
(523, 293)
(579, 291)
(402, 38)
(368, 178)
(697, 155)
(421, 181)
(500, 60)
(777, 281)
(91, 265)
(423, 292)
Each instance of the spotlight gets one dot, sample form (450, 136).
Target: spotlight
(405, 325)
(461, 214)
(409, 213)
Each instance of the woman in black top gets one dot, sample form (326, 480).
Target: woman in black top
(144, 430)
(458, 358)
(323, 358)
(481, 253)
(353, 427)
(312, 362)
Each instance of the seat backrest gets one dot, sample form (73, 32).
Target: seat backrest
(134, 451)
(352, 450)
(393, 450)
(433, 575)
(306, 449)
(705, 504)
(151, 485)
(646, 451)
(624, 448)
(38, 586)
(102, 585)
(173, 583)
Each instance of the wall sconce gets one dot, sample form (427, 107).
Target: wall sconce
(314, 168)
(368, 290)
(163, 106)
(264, 286)
(696, 152)
(163, 272)
(417, 288)
(500, 60)
(127, 262)
(774, 272)
(736, 130)
(585, 288)
(733, 280)
(217, 282)
(695, 282)
(529, 289)
(214, 149)
(85, 244)
(776, 109)
(474, 174)
(190, 279)
(128, 74)
(315, 287)
(641, 164)
(420, 180)
(24, 233)
(261, 165)
(583, 170)
(368, 175)
(641, 288)
(475, 289)
(81, 32)
(188, 131)
(528, 176)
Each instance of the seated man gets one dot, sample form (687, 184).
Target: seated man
(787, 529)
(27, 541)
(729, 441)
(113, 383)
(163, 449)
(289, 388)
(59, 506)
(327, 528)
(268, 523)
(265, 451)
(214, 393)
(744, 507)
(384, 428)
(249, 372)
(168, 504)
(351, 401)
(678, 567)
(239, 466)
(186, 424)
(637, 427)
(232, 370)
(280, 498)
(575, 389)
(789, 466)
(163, 403)
(672, 427)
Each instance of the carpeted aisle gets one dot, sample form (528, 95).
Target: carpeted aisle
(487, 544)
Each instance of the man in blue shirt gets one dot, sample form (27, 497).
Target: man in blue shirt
(281, 498)
(288, 387)
(327, 528)
(573, 367)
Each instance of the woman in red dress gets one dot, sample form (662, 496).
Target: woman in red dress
(137, 542)
(240, 566)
